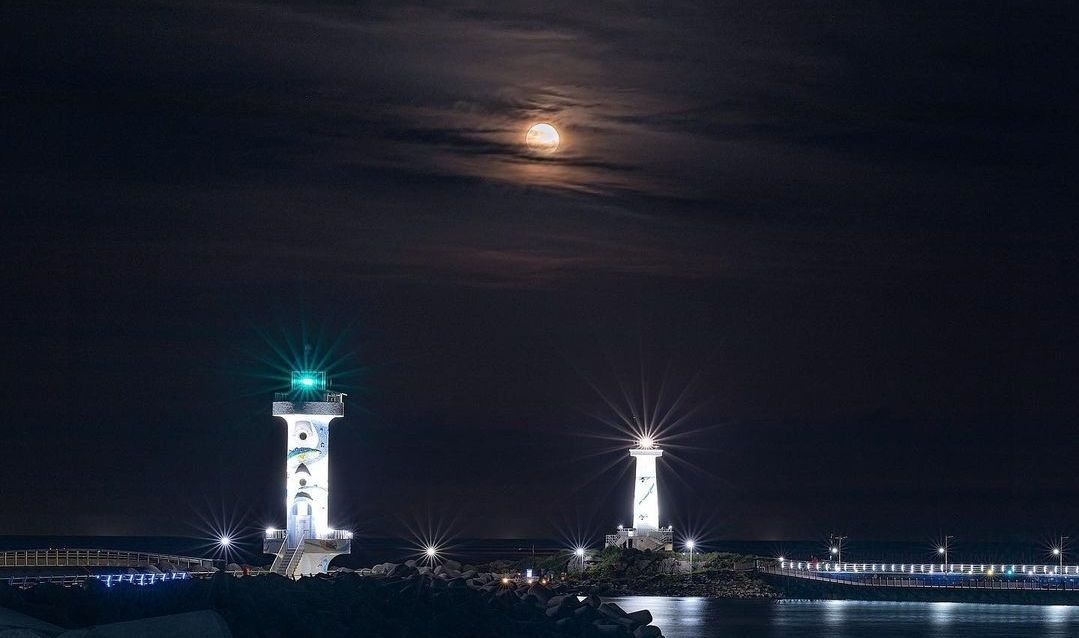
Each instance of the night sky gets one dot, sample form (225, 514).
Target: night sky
(843, 232)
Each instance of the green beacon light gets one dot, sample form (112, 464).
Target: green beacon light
(308, 380)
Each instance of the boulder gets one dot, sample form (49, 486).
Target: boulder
(205, 624)
(612, 610)
(647, 631)
(642, 617)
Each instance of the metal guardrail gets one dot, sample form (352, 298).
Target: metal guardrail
(97, 558)
(308, 396)
(918, 581)
(945, 569)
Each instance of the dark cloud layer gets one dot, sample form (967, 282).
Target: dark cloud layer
(865, 211)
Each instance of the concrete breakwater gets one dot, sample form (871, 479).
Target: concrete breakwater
(391, 600)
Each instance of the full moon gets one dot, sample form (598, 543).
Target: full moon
(542, 138)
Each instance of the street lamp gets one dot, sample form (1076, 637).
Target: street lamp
(836, 542)
(1058, 551)
(943, 549)
(579, 553)
(690, 545)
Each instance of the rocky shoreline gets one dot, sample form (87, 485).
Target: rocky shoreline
(390, 600)
(726, 585)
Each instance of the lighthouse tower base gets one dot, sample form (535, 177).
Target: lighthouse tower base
(312, 556)
(642, 539)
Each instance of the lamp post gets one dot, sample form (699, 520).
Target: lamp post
(943, 549)
(579, 553)
(1058, 551)
(836, 542)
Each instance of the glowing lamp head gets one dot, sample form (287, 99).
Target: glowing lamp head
(308, 380)
(646, 443)
(431, 551)
(834, 550)
(1056, 551)
(579, 552)
(224, 541)
(940, 550)
(690, 545)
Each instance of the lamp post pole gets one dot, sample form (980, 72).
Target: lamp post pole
(837, 547)
(944, 549)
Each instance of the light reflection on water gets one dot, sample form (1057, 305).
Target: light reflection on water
(695, 617)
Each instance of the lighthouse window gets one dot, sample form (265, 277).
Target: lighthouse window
(303, 482)
(303, 436)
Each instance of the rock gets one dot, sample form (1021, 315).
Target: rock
(642, 617)
(606, 629)
(540, 592)
(647, 631)
(205, 624)
(612, 610)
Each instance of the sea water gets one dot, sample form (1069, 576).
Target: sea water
(695, 617)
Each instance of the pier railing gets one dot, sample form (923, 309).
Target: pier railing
(957, 569)
(930, 576)
(98, 558)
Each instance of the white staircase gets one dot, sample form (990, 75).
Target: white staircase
(287, 561)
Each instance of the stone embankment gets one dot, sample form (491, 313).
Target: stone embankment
(527, 605)
(728, 585)
(389, 600)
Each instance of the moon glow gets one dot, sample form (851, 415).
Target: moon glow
(542, 138)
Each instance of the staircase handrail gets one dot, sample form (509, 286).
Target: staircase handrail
(290, 569)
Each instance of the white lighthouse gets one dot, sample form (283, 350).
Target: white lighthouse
(308, 543)
(645, 487)
(645, 531)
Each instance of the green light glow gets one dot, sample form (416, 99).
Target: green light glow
(308, 380)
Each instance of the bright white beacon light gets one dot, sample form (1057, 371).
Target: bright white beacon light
(579, 552)
(431, 551)
(646, 442)
(224, 541)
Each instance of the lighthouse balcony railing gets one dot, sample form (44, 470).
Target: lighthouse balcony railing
(338, 535)
(309, 396)
(276, 534)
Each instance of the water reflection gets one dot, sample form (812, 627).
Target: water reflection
(692, 617)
